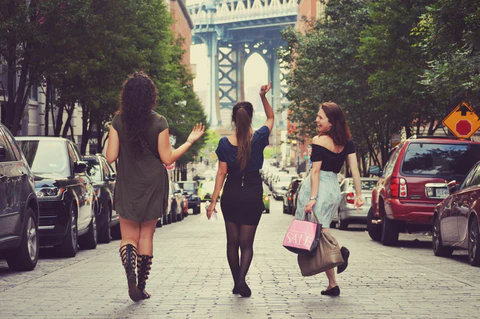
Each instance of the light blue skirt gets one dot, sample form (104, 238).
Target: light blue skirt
(328, 198)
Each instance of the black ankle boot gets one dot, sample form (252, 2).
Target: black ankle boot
(334, 292)
(128, 253)
(345, 254)
(144, 266)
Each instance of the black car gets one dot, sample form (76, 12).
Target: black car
(190, 191)
(65, 194)
(103, 178)
(289, 198)
(18, 206)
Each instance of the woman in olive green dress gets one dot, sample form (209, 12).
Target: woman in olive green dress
(139, 138)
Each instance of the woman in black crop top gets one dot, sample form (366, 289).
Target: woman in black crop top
(320, 193)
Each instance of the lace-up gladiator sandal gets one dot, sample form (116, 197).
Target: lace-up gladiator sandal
(128, 253)
(143, 267)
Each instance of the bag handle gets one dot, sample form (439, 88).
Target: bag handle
(314, 215)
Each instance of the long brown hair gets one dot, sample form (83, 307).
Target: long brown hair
(138, 99)
(242, 118)
(339, 132)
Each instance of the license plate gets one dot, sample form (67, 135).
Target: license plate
(441, 192)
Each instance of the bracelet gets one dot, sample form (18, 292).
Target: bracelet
(189, 141)
(313, 198)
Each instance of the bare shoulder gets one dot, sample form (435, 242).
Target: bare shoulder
(322, 140)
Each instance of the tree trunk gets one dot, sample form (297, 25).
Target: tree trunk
(47, 103)
(59, 121)
(85, 128)
(67, 125)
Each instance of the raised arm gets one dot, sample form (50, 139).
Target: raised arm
(165, 150)
(266, 106)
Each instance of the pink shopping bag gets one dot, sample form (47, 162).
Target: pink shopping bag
(302, 237)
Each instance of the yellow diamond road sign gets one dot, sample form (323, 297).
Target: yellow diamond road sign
(462, 122)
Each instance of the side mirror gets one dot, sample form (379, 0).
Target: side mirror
(374, 170)
(284, 188)
(177, 191)
(79, 167)
(113, 177)
(3, 152)
(185, 193)
(452, 186)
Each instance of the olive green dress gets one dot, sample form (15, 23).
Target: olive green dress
(141, 190)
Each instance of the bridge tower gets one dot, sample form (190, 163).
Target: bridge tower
(233, 30)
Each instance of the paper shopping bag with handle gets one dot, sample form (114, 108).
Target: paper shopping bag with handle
(302, 237)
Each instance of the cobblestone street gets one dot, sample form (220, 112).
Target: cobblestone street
(190, 278)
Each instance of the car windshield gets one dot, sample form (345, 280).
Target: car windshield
(449, 161)
(188, 187)
(46, 156)
(368, 185)
(93, 169)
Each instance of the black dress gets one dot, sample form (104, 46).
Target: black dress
(241, 200)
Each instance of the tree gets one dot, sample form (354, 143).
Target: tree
(449, 36)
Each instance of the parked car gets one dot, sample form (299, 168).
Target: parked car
(288, 199)
(175, 211)
(65, 194)
(190, 190)
(103, 178)
(19, 242)
(456, 219)
(184, 200)
(347, 213)
(280, 184)
(413, 181)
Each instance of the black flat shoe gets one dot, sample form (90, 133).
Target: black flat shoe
(345, 254)
(235, 290)
(244, 290)
(335, 291)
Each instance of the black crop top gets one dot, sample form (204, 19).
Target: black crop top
(331, 162)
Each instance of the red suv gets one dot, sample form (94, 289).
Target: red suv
(413, 181)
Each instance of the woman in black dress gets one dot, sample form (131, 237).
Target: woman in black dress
(240, 159)
(141, 191)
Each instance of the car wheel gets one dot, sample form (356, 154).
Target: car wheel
(374, 230)
(89, 240)
(105, 233)
(342, 224)
(438, 248)
(116, 233)
(26, 256)
(389, 231)
(196, 210)
(474, 243)
(285, 209)
(69, 246)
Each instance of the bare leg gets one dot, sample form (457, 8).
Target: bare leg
(145, 242)
(130, 232)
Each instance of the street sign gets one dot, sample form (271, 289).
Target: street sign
(462, 121)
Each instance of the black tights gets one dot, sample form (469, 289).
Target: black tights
(239, 236)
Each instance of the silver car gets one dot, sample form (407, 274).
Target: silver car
(347, 213)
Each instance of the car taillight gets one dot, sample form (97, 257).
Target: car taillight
(398, 187)
(350, 198)
(289, 198)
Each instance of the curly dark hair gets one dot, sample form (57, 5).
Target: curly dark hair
(138, 99)
(242, 114)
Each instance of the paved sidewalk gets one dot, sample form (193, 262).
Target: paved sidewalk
(190, 278)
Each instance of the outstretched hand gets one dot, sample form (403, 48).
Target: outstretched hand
(196, 133)
(265, 88)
